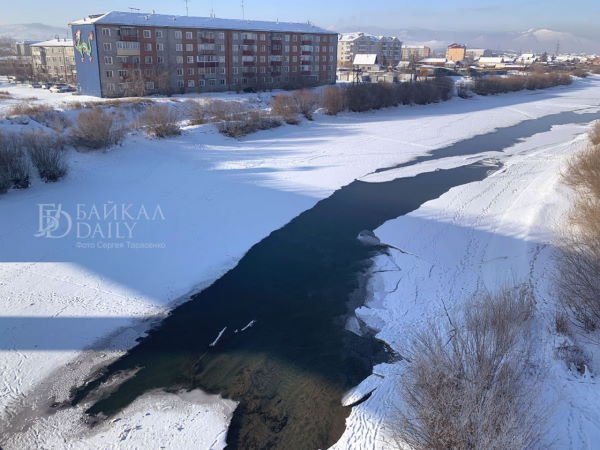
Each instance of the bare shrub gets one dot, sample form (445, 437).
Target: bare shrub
(54, 119)
(574, 357)
(160, 121)
(285, 107)
(561, 323)
(533, 81)
(580, 73)
(5, 95)
(594, 134)
(578, 278)
(96, 129)
(333, 100)
(247, 123)
(27, 109)
(468, 386)
(596, 70)
(196, 112)
(307, 102)
(13, 163)
(220, 110)
(47, 154)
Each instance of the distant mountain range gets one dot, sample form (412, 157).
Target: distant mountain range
(33, 31)
(536, 40)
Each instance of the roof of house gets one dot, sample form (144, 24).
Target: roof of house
(433, 60)
(164, 20)
(365, 59)
(54, 43)
(456, 46)
(415, 46)
(491, 60)
(348, 37)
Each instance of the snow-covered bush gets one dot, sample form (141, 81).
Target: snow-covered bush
(333, 100)
(285, 107)
(54, 119)
(160, 121)
(532, 81)
(14, 164)
(96, 129)
(47, 154)
(469, 385)
(220, 110)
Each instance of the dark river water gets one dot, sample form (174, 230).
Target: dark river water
(291, 367)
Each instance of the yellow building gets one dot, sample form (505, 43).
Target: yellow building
(456, 52)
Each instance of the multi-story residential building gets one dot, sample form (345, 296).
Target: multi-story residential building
(474, 54)
(387, 49)
(23, 48)
(121, 53)
(415, 52)
(54, 60)
(456, 52)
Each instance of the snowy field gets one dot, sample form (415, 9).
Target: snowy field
(217, 197)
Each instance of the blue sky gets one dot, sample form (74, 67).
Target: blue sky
(579, 16)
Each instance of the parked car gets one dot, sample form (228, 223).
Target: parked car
(36, 85)
(59, 88)
(46, 85)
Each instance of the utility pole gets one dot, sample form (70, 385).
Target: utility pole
(187, 8)
(243, 13)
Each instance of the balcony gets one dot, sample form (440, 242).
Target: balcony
(249, 41)
(276, 63)
(276, 52)
(275, 74)
(208, 64)
(248, 52)
(207, 52)
(207, 41)
(305, 42)
(249, 63)
(129, 38)
(306, 52)
(305, 72)
(248, 74)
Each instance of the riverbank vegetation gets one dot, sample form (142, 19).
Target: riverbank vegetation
(579, 261)
(471, 383)
(513, 83)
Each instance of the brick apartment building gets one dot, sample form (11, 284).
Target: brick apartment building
(415, 52)
(54, 60)
(456, 52)
(387, 48)
(121, 53)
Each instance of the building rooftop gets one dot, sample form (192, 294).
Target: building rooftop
(59, 42)
(164, 20)
(348, 37)
(365, 59)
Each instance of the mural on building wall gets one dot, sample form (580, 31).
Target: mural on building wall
(84, 48)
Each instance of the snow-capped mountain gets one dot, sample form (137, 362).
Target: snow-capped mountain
(32, 31)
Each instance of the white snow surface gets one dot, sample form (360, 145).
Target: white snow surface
(219, 196)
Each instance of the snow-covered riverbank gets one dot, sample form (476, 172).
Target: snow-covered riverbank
(218, 197)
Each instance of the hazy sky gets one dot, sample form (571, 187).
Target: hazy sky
(578, 16)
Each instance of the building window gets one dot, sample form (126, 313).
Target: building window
(148, 59)
(236, 36)
(180, 72)
(287, 38)
(122, 73)
(179, 59)
(177, 34)
(148, 47)
(109, 74)
(263, 48)
(222, 81)
(150, 85)
(221, 35)
(202, 83)
(212, 82)
(263, 59)
(107, 46)
(222, 70)
(108, 60)
(105, 31)
(236, 70)
(159, 33)
(189, 47)
(160, 47)
(178, 47)
(147, 34)
(191, 83)
(160, 59)
(110, 87)
(190, 71)
(180, 83)
(190, 59)
(263, 37)
(188, 35)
